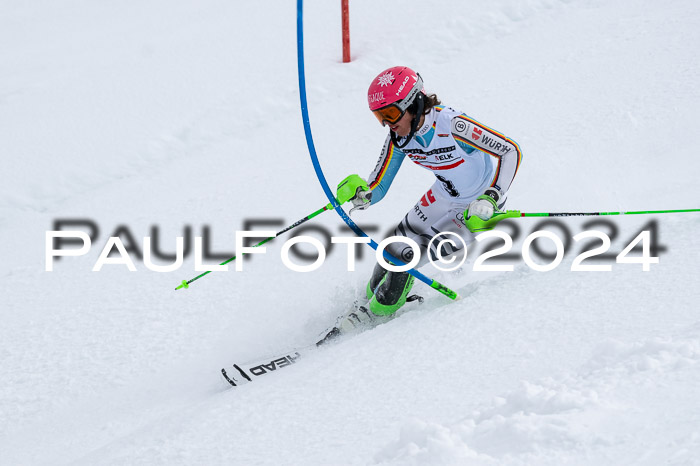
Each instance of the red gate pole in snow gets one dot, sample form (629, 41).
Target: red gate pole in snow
(346, 30)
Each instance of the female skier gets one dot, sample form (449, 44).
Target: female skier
(473, 166)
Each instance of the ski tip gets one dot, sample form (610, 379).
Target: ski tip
(228, 379)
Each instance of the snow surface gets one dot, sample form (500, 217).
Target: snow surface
(186, 113)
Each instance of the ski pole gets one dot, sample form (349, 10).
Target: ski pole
(475, 224)
(186, 283)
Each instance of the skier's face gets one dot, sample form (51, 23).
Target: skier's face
(402, 127)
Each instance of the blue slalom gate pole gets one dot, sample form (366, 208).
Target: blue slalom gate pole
(319, 172)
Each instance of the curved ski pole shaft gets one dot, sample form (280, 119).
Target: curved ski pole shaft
(186, 283)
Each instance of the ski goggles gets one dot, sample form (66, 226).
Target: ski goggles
(393, 112)
(389, 114)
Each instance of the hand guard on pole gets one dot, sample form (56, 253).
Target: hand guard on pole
(484, 205)
(353, 188)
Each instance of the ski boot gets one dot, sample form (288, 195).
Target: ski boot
(386, 293)
(357, 319)
(390, 293)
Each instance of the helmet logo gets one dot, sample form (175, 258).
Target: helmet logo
(386, 79)
(376, 96)
(403, 84)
